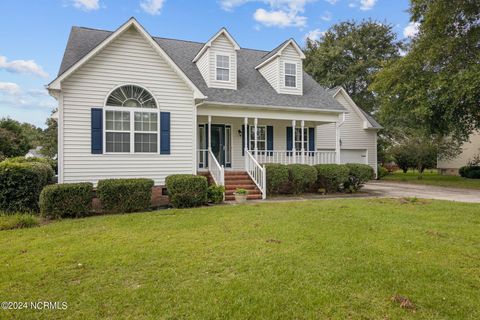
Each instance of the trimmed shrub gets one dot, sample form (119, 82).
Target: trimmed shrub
(302, 177)
(21, 184)
(52, 163)
(187, 190)
(18, 221)
(358, 175)
(125, 195)
(70, 200)
(331, 177)
(277, 177)
(470, 172)
(215, 194)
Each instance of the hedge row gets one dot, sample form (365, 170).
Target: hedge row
(187, 190)
(298, 178)
(21, 184)
(470, 172)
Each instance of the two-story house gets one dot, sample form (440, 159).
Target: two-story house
(133, 105)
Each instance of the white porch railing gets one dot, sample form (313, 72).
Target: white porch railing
(256, 172)
(216, 170)
(287, 157)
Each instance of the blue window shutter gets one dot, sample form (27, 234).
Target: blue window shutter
(270, 140)
(311, 137)
(164, 132)
(289, 138)
(97, 130)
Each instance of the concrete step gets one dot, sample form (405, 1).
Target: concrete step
(249, 197)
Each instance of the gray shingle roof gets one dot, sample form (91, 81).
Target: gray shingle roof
(252, 88)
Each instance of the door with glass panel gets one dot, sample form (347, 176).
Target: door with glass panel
(220, 138)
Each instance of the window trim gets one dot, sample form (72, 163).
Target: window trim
(291, 75)
(306, 141)
(132, 122)
(251, 138)
(216, 67)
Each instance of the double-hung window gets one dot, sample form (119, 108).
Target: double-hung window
(223, 68)
(298, 139)
(261, 138)
(290, 75)
(131, 121)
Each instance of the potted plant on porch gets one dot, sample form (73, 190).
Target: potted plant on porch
(241, 195)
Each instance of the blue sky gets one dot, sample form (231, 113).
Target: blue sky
(34, 33)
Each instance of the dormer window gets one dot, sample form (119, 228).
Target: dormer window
(290, 75)
(223, 68)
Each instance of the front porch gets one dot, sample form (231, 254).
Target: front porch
(248, 143)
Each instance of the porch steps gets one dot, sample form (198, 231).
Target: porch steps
(240, 179)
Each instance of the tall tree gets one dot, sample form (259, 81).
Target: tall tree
(349, 54)
(436, 85)
(13, 141)
(50, 138)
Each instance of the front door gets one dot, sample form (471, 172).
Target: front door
(218, 142)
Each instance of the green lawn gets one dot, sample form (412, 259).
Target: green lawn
(435, 179)
(335, 259)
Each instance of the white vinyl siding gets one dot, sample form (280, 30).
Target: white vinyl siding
(270, 72)
(128, 60)
(290, 55)
(204, 67)
(352, 134)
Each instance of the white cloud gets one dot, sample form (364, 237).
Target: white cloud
(278, 13)
(367, 4)
(153, 7)
(279, 18)
(411, 30)
(12, 95)
(9, 88)
(315, 34)
(22, 66)
(327, 16)
(86, 5)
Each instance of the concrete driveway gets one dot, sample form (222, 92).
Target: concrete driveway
(400, 189)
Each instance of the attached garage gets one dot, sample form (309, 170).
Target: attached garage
(353, 156)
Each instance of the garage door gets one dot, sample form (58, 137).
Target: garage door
(353, 156)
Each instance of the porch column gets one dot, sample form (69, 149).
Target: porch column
(209, 134)
(337, 143)
(303, 138)
(256, 138)
(294, 153)
(245, 122)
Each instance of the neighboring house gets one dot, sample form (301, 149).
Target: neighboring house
(35, 153)
(133, 105)
(469, 151)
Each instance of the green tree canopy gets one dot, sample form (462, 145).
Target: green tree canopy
(349, 54)
(436, 85)
(13, 141)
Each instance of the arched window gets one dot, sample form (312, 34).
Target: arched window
(131, 121)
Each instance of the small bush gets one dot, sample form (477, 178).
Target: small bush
(302, 177)
(382, 172)
(331, 177)
(70, 200)
(187, 190)
(125, 195)
(215, 194)
(277, 177)
(470, 172)
(21, 184)
(358, 175)
(241, 192)
(18, 221)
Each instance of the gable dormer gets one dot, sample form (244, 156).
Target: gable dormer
(283, 68)
(217, 61)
